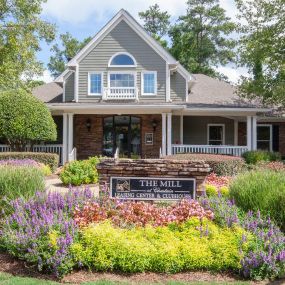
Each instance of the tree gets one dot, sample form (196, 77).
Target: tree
(70, 47)
(24, 120)
(156, 22)
(21, 30)
(200, 39)
(262, 49)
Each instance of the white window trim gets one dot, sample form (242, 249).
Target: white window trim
(271, 135)
(102, 83)
(134, 73)
(125, 66)
(155, 83)
(216, 125)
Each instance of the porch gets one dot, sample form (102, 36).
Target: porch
(156, 135)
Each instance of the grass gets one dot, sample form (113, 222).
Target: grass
(8, 279)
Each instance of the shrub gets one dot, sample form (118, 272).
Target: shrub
(228, 167)
(255, 156)
(41, 230)
(140, 213)
(263, 245)
(217, 185)
(24, 119)
(189, 246)
(223, 165)
(80, 172)
(27, 162)
(262, 190)
(19, 181)
(50, 159)
(273, 165)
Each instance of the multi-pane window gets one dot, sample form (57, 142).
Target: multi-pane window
(216, 134)
(264, 137)
(122, 80)
(149, 83)
(95, 83)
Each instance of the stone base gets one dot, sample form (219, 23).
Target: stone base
(153, 168)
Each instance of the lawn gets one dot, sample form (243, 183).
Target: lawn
(8, 279)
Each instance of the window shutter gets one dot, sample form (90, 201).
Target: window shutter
(275, 139)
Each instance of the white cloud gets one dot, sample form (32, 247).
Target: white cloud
(233, 73)
(79, 11)
(46, 77)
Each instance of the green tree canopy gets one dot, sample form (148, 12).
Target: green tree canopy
(201, 39)
(21, 30)
(69, 47)
(156, 23)
(262, 49)
(24, 119)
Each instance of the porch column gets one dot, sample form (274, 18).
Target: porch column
(163, 147)
(169, 133)
(64, 140)
(254, 133)
(235, 132)
(70, 133)
(249, 132)
(181, 129)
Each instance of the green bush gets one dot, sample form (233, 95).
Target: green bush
(255, 156)
(24, 119)
(19, 181)
(80, 172)
(228, 167)
(262, 190)
(176, 248)
(50, 159)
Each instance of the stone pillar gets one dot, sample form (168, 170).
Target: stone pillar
(163, 146)
(169, 133)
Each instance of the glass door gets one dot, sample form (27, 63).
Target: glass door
(124, 133)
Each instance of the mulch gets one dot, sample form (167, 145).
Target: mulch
(20, 268)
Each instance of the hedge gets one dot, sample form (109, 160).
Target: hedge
(50, 159)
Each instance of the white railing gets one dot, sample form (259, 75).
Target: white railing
(49, 148)
(120, 93)
(210, 149)
(72, 155)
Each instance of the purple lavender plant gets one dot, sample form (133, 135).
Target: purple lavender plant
(42, 229)
(19, 162)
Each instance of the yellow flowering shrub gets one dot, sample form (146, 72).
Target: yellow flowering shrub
(189, 246)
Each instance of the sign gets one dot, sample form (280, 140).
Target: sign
(152, 188)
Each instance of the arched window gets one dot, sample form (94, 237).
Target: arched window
(122, 60)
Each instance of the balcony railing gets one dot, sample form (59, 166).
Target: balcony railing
(209, 149)
(120, 93)
(49, 148)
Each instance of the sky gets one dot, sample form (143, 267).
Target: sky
(83, 18)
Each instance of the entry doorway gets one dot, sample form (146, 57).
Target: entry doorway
(124, 133)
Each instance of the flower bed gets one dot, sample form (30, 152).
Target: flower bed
(59, 233)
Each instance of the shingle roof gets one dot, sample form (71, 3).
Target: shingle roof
(49, 93)
(211, 92)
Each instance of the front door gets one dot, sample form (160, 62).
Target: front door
(122, 133)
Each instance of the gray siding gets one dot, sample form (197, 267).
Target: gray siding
(122, 39)
(177, 87)
(69, 88)
(195, 129)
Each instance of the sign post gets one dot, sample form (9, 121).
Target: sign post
(152, 188)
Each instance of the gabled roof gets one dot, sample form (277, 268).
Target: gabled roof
(124, 15)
